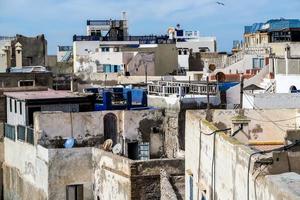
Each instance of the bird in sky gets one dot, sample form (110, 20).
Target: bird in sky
(220, 3)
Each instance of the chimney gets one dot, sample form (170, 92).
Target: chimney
(241, 122)
(18, 49)
(287, 57)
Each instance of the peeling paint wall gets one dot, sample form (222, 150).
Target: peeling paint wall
(70, 167)
(231, 167)
(25, 171)
(132, 125)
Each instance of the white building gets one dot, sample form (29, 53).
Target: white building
(190, 41)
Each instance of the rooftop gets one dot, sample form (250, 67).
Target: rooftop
(273, 25)
(47, 94)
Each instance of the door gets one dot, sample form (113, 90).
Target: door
(110, 127)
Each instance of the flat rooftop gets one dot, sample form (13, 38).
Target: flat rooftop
(47, 94)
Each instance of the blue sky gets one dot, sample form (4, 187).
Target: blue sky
(59, 20)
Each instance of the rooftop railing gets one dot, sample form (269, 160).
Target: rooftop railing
(166, 88)
(148, 39)
(7, 38)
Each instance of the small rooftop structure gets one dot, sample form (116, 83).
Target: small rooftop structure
(273, 25)
(47, 94)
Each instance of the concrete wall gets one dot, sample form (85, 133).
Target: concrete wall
(119, 178)
(272, 101)
(132, 126)
(70, 167)
(12, 79)
(284, 82)
(230, 167)
(34, 50)
(196, 44)
(111, 176)
(26, 176)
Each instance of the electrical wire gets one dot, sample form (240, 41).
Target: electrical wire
(284, 148)
(213, 166)
(262, 114)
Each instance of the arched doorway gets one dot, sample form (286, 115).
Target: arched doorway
(293, 89)
(111, 127)
(220, 76)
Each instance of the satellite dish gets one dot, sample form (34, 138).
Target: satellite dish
(69, 143)
(117, 149)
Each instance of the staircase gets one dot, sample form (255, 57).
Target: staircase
(268, 84)
(67, 56)
(178, 184)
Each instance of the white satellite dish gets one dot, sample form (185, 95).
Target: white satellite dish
(117, 149)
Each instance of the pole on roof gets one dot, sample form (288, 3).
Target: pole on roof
(207, 90)
(241, 92)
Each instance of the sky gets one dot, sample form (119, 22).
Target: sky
(59, 20)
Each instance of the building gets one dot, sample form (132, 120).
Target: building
(175, 98)
(89, 170)
(108, 48)
(23, 51)
(189, 42)
(22, 105)
(64, 53)
(273, 31)
(242, 156)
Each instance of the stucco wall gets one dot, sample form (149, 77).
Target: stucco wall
(25, 164)
(70, 167)
(132, 125)
(272, 101)
(231, 161)
(111, 176)
(284, 82)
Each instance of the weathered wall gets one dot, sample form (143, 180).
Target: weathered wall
(166, 189)
(231, 167)
(12, 79)
(132, 125)
(119, 178)
(145, 176)
(111, 176)
(34, 50)
(26, 176)
(70, 167)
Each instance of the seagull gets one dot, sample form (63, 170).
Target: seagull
(220, 3)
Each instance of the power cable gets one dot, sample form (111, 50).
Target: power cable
(284, 148)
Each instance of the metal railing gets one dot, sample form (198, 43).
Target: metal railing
(21, 130)
(22, 133)
(10, 132)
(166, 88)
(30, 135)
(147, 39)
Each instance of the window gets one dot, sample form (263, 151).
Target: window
(75, 192)
(20, 106)
(9, 131)
(105, 49)
(21, 132)
(15, 106)
(24, 83)
(10, 104)
(191, 187)
(116, 49)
